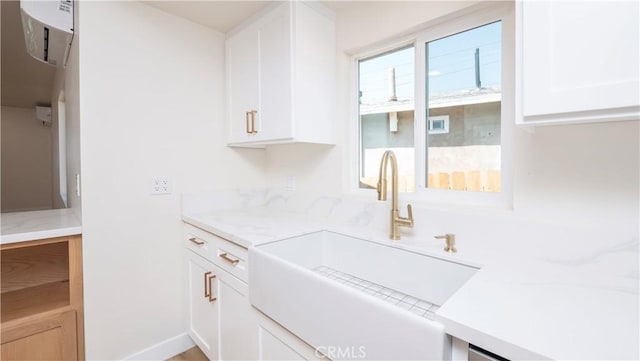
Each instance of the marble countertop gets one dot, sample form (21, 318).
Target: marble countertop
(28, 226)
(516, 307)
(254, 226)
(531, 311)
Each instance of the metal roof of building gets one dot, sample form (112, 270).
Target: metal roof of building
(473, 96)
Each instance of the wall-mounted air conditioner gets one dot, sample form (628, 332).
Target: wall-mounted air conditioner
(48, 29)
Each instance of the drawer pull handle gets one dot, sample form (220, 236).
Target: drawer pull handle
(211, 298)
(196, 241)
(226, 257)
(207, 285)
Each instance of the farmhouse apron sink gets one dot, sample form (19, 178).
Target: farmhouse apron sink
(355, 299)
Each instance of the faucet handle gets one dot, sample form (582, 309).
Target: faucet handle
(410, 214)
(381, 187)
(450, 240)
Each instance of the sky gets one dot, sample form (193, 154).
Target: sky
(450, 65)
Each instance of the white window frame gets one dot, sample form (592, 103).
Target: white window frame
(466, 19)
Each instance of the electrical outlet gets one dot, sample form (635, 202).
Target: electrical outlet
(160, 185)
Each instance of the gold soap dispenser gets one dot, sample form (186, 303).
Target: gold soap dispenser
(450, 240)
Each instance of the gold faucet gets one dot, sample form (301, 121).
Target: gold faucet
(396, 220)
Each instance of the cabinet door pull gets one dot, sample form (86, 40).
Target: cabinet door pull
(247, 121)
(226, 257)
(211, 298)
(207, 285)
(253, 121)
(196, 241)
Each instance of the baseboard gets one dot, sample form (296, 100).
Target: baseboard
(164, 349)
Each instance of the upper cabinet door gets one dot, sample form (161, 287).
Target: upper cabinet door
(281, 72)
(578, 61)
(274, 120)
(243, 75)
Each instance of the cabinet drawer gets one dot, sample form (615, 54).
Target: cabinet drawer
(52, 337)
(225, 254)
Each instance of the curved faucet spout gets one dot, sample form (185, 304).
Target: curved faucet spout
(382, 178)
(396, 220)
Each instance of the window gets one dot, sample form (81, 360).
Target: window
(386, 103)
(437, 102)
(438, 124)
(464, 80)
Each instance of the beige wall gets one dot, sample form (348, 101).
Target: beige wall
(152, 103)
(26, 161)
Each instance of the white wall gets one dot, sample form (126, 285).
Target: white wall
(152, 103)
(361, 23)
(26, 161)
(586, 175)
(579, 175)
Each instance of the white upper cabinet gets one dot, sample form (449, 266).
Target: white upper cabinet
(577, 61)
(281, 77)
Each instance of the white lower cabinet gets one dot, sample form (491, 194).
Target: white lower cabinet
(203, 313)
(276, 343)
(222, 321)
(220, 316)
(237, 342)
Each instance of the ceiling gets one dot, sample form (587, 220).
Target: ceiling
(219, 15)
(224, 15)
(26, 82)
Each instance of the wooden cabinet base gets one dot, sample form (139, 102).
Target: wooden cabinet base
(46, 338)
(41, 300)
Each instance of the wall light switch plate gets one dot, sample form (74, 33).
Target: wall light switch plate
(290, 183)
(78, 184)
(160, 185)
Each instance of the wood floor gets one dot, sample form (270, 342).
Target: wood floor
(192, 354)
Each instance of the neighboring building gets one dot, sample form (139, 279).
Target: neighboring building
(463, 142)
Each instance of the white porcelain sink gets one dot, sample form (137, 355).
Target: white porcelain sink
(355, 299)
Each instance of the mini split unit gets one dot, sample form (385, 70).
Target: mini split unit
(48, 29)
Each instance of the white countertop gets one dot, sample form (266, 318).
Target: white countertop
(254, 226)
(28, 226)
(530, 311)
(516, 307)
